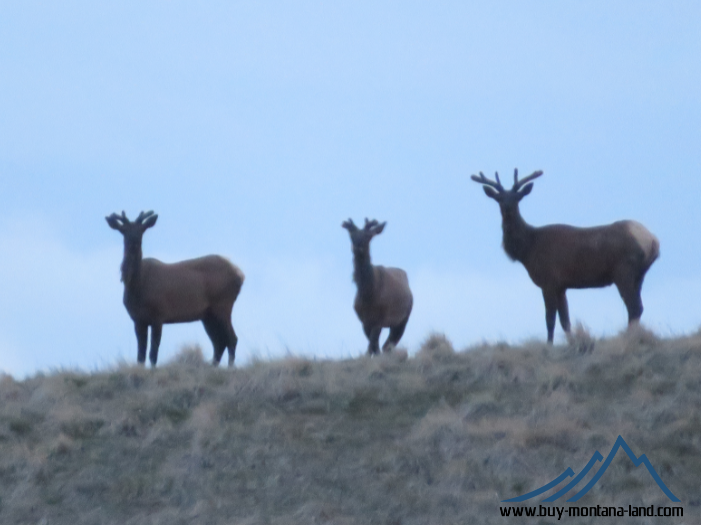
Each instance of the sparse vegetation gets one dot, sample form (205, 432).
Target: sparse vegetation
(442, 437)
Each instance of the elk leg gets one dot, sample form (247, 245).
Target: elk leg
(141, 330)
(551, 302)
(216, 334)
(395, 334)
(374, 339)
(629, 289)
(563, 311)
(231, 343)
(156, 331)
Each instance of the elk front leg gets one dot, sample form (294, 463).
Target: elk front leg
(156, 331)
(551, 301)
(141, 330)
(373, 335)
(563, 311)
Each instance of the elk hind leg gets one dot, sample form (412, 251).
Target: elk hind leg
(231, 342)
(222, 314)
(216, 331)
(395, 334)
(629, 288)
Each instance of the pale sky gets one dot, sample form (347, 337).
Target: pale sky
(254, 129)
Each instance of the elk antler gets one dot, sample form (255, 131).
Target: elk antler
(518, 184)
(143, 216)
(487, 182)
(370, 224)
(349, 225)
(117, 222)
(114, 217)
(374, 227)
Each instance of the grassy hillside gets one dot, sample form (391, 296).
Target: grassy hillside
(439, 438)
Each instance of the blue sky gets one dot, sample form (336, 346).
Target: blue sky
(255, 129)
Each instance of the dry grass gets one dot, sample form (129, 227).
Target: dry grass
(439, 438)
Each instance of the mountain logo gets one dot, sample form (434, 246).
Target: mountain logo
(596, 457)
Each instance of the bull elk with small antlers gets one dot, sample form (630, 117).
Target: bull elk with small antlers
(156, 293)
(384, 299)
(558, 256)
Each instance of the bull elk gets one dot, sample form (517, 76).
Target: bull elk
(157, 293)
(558, 256)
(383, 299)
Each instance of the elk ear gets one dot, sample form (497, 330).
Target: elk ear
(489, 192)
(113, 222)
(525, 190)
(148, 223)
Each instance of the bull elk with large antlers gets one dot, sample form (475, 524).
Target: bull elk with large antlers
(558, 256)
(157, 293)
(384, 299)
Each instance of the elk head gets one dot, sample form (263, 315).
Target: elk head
(133, 233)
(360, 238)
(508, 199)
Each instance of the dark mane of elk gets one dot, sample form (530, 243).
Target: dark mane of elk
(132, 254)
(558, 256)
(384, 299)
(156, 293)
(363, 274)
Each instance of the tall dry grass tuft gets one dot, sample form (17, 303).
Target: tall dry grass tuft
(439, 438)
(436, 346)
(190, 356)
(580, 340)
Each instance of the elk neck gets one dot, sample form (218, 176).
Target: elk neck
(363, 273)
(131, 265)
(518, 234)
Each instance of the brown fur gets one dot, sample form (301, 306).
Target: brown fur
(156, 293)
(384, 299)
(558, 256)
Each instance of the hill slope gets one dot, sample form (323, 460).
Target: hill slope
(439, 438)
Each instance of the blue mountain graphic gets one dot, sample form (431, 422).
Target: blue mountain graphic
(596, 457)
(554, 483)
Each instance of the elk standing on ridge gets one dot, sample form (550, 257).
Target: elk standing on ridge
(558, 256)
(156, 293)
(384, 299)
